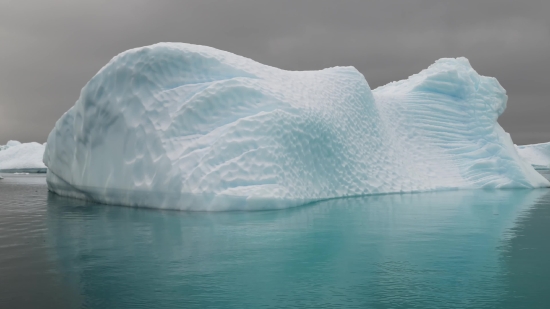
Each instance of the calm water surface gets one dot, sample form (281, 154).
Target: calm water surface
(462, 249)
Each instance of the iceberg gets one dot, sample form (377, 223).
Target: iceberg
(188, 127)
(538, 155)
(16, 157)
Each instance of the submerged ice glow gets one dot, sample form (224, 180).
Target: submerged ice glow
(191, 127)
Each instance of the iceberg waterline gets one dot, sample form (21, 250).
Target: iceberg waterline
(181, 126)
(22, 157)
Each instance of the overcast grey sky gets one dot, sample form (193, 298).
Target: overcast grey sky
(50, 49)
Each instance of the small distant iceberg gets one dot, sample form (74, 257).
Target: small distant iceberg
(538, 155)
(17, 157)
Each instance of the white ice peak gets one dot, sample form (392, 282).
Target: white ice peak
(191, 127)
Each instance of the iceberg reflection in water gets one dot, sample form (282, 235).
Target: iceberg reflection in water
(460, 249)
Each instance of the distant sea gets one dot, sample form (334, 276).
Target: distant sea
(458, 249)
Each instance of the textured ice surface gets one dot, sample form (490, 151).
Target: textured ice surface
(538, 155)
(18, 157)
(191, 127)
(9, 144)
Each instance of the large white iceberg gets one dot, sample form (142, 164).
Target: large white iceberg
(22, 157)
(191, 127)
(538, 155)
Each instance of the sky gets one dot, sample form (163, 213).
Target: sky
(50, 49)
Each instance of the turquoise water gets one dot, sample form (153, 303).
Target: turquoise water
(461, 249)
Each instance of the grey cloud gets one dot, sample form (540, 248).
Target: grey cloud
(50, 49)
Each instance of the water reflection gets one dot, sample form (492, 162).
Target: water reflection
(526, 257)
(431, 250)
(28, 275)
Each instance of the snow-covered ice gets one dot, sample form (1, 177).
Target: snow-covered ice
(22, 157)
(191, 127)
(9, 144)
(538, 155)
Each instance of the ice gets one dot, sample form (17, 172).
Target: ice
(189, 127)
(9, 144)
(16, 157)
(538, 155)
